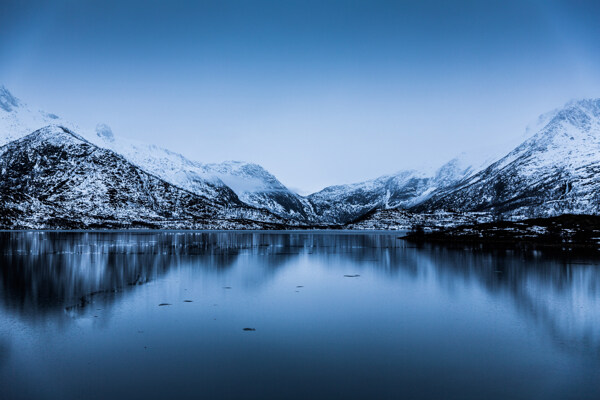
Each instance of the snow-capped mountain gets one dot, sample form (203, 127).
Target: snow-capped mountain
(48, 176)
(555, 171)
(53, 178)
(17, 119)
(408, 189)
(256, 186)
(228, 181)
(346, 203)
(552, 172)
(231, 180)
(172, 167)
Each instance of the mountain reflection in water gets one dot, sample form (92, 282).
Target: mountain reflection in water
(56, 278)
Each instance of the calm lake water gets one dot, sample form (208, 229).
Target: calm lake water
(336, 316)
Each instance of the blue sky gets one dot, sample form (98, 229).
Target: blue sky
(318, 92)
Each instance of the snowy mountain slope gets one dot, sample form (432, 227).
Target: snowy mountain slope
(253, 184)
(172, 167)
(256, 186)
(17, 119)
(230, 180)
(434, 192)
(54, 178)
(555, 171)
(345, 203)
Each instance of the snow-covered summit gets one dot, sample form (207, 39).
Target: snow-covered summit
(404, 189)
(555, 171)
(17, 119)
(55, 135)
(244, 176)
(54, 178)
(256, 186)
(566, 140)
(233, 180)
(571, 136)
(249, 182)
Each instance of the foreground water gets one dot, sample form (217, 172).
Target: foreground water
(333, 315)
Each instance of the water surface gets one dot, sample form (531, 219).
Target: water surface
(333, 315)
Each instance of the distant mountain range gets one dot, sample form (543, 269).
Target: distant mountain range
(54, 174)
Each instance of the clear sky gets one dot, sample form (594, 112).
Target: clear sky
(318, 92)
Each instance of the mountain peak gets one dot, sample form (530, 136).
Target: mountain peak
(592, 105)
(55, 134)
(582, 114)
(7, 100)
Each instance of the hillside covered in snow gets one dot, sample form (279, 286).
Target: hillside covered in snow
(554, 172)
(228, 181)
(53, 178)
(56, 174)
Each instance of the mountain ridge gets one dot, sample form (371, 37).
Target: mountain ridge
(556, 165)
(54, 178)
(17, 120)
(553, 171)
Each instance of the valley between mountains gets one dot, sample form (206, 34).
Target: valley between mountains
(55, 175)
